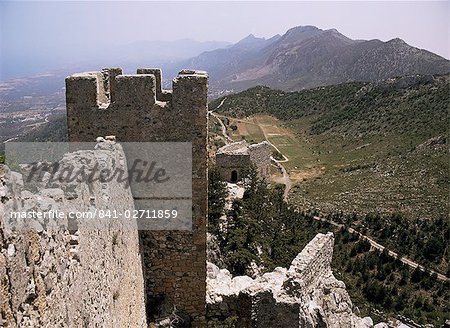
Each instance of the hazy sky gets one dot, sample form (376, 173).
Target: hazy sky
(36, 26)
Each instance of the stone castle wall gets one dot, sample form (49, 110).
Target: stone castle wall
(305, 295)
(260, 156)
(234, 160)
(228, 163)
(53, 276)
(312, 264)
(134, 108)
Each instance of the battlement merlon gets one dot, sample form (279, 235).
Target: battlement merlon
(137, 91)
(190, 89)
(86, 90)
(161, 95)
(92, 90)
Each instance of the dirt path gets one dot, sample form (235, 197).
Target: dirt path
(286, 180)
(228, 139)
(380, 247)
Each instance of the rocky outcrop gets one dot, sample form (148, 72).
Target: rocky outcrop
(305, 295)
(56, 274)
(433, 143)
(213, 254)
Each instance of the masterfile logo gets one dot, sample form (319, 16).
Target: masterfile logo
(157, 175)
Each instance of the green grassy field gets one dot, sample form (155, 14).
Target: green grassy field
(301, 160)
(255, 134)
(357, 147)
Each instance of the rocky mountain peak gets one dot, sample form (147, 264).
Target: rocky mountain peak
(300, 33)
(307, 57)
(303, 29)
(397, 41)
(250, 40)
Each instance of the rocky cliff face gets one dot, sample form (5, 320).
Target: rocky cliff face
(305, 295)
(308, 57)
(83, 277)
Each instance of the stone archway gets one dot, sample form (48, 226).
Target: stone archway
(234, 176)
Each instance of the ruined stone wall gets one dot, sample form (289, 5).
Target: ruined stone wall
(239, 156)
(227, 163)
(260, 156)
(305, 295)
(313, 263)
(135, 108)
(52, 276)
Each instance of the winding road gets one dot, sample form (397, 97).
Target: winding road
(286, 179)
(381, 248)
(288, 184)
(224, 129)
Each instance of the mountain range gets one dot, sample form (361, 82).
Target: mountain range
(306, 57)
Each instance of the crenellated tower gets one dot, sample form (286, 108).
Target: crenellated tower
(135, 108)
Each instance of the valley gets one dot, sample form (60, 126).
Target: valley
(299, 168)
(371, 168)
(382, 152)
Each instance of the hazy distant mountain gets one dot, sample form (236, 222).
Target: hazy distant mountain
(164, 50)
(236, 58)
(306, 56)
(129, 56)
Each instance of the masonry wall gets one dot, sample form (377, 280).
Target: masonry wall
(305, 295)
(227, 163)
(135, 108)
(53, 276)
(260, 156)
(241, 158)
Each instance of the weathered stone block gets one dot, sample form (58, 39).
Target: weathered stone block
(65, 278)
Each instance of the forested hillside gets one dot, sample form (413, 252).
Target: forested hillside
(262, 231)
(379, 147)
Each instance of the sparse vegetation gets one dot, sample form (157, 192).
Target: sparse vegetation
(217, 193)
(376, 281)
(277, 155)
(54, 131)
(262, 223)
(377, 148)
(263, 229)
(230, 322)
(382, 158)
(424, 241)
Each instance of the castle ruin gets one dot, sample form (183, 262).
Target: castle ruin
(307, 294)
(56, 274)
(234, 159)
(135, 108)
